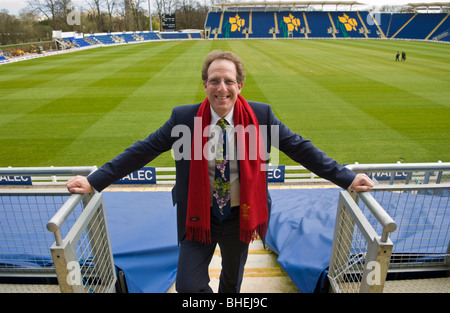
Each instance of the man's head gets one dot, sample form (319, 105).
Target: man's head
(223, 76)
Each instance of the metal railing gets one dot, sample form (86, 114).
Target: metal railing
(24, 240)
(83, 258)
(52, 233)
(422, 241)
(164, 176)
(415, 196)
(360, 255)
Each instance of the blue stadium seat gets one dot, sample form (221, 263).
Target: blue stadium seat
(398, 20)
(80, 42)
(442, 33)
(128, 37)
(262, 23)
(319, 23)
(196, 35)
(212, 22)
(233, 24)
(174, 35)
(348, 25)
(149, 36)
(290, 24)
(420, 26)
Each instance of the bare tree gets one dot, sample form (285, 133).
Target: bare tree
(190, 14)
(96, 12)
(110, 8)
(47, 7)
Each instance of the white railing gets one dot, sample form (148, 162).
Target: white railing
(367, 246)
(360, 255)
(83, 259)
(164, 175)
(51, 233)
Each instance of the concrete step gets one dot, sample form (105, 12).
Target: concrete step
(262, 273)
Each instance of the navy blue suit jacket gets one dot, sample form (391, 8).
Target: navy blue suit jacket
(144, 151)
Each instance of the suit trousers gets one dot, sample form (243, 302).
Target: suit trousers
(194, 258)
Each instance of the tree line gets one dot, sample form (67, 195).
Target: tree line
(39, 18)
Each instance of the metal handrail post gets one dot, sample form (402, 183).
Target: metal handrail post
(54, 224)
(380, 214)
(376, 265)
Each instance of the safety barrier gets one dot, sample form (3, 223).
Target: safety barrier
(78, 252)
(360, 256)
(159, 176)
(411, 234)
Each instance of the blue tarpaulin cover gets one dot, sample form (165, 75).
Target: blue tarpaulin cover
(301, 232)
(143, 235)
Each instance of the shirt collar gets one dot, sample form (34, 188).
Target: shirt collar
(215, 117)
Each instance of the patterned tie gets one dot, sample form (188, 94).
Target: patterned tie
(221, 189)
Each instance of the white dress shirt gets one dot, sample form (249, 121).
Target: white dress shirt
(234, 173)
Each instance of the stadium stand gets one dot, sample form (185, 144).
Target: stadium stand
(127, 37)
(266, 22)
(319, 24)
(174, 35)
(293, 20)
(297, 20)
(316, 24)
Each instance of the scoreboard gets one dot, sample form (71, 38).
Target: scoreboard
(168, 21)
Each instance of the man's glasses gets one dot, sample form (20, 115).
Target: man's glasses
(217, 81)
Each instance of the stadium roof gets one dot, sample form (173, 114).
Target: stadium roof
(430, 4)
(306, 4)
(225, 5)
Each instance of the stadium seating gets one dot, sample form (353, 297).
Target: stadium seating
(126, 37)
(290, 24)
(80, 42)
(266, 24)
(443, 31)
(174, 35)
(419, 26)
(212, 23)
(294, 24)
(321, 24)
(149, 36)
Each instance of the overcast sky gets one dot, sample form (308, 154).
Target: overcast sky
(14, 6)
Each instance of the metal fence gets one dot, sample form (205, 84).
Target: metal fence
(360, 255)
(83, 258)
(166, 176)
(50, 233)
(416, 197)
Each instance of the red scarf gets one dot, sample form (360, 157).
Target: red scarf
(253, 188)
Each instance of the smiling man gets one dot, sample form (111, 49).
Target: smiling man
(221, 194)
(223, 80)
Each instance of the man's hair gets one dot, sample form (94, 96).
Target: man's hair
(224, 55)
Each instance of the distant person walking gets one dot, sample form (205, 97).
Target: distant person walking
(397, 56)
(403, 56)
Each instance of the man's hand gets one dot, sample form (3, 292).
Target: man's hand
(362, 182)
(79, 184)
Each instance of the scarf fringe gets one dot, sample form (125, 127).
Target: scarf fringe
(198, 234)
(249, 235)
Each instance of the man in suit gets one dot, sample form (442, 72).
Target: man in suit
(221, 198)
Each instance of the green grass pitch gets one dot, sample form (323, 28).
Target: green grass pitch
(348, 96)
